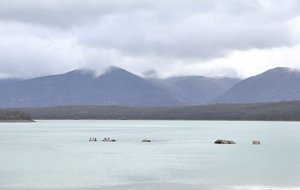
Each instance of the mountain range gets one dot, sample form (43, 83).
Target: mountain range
(120, 87)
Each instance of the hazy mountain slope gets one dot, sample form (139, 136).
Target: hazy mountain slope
(279, 84)
(45, 91)
(225, 82)
(195, 90)
(115, 87)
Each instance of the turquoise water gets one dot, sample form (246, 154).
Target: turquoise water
(57, 154)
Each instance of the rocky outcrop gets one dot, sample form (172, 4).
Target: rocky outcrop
(94, 139)
(109, 140)
(256, 142)
(224, 142)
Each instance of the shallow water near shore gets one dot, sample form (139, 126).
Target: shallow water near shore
(58, 155)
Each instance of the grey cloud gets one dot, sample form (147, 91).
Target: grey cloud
(195, 35)
(24, 55)
(52, 36)
(75, 12)
(66, 13)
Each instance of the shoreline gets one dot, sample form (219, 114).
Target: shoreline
(172, 186)
(71, 119)
(162, 186)
(17, 121)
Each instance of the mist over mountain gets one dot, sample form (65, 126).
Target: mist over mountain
(279, 84)
(121, 88)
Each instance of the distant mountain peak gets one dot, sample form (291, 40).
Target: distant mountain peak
(281, 70)
(113, 70)
(85, 72)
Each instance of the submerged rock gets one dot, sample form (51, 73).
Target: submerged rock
(224, 142)
(256, 142)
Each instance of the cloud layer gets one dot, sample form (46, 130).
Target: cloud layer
(172, 37)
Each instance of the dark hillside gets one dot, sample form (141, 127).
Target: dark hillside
(11, 115)
(285, 111)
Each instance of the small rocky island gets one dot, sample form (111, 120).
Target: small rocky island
(14, 116)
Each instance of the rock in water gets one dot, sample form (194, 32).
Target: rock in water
(256, 142)
(109, 140)
(224, 142)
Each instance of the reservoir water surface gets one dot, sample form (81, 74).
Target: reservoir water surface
(58, 155)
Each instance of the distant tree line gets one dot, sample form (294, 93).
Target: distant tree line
(281, 111)
(14, 115)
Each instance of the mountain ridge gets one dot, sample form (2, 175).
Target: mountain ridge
(120, 87)
(274, 85)
(116, 86)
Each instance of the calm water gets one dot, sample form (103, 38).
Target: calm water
(57, 154)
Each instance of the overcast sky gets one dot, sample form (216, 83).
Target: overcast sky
(167, 37)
